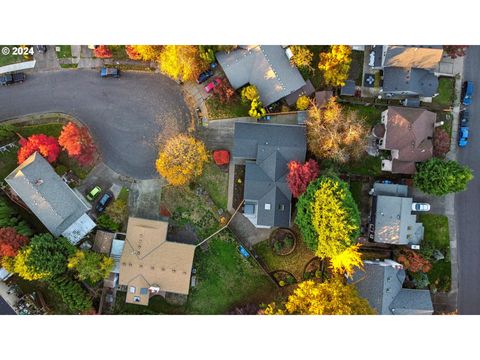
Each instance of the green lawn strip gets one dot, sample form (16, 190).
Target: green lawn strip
(437, 236)
(215, 181)
(118, 52)
(69, 66)
(65, 51)
(217, 110)
(12, 59)
(53, 129)
(123, 195)
(356, 190)
(367, 165)
(371, 114)
(446, 92)
(8, 162)
(295, 262)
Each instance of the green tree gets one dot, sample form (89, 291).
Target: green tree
(440, 177)
(71, 293)
(90, 265)
(47, 255)
(9, 217)
(106, 222)
(249, 93)
(118, 211)
(7, 131)
(207, 52)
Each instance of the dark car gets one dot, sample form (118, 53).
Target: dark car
(467, 93)
(103, 202)
(41, 48)
(9, 79)
(109, 72)
(204, 76)
(464, 117)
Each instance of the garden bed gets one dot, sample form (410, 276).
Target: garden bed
(238, 185)
(284, 278)
(283, 241)
(317, 269)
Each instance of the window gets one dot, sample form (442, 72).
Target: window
(143, 291)
(132, 290)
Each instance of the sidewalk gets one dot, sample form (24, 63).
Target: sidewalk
(11, 299)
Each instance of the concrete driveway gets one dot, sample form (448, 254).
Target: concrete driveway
(125, 115)
(467, 203)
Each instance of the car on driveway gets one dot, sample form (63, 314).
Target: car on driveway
(9, 79)
(467, 93)
(204, 76)
(209, 87)
(420, 206)
(92, 194)
(109, 72)
(103, 202)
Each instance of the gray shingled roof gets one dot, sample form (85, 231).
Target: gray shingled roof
(381, 284)
(267, 67)
(348, 89)
(46, 194)
(420, 82)
(269, 148)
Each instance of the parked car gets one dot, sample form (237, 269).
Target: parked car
(9, 79)
(420, 206)
(103, 202)
(467, 92)
(92, 194)
(109, 72)
(204, 76)
(463, 135)
(464, 117)
(41, 49)
(212, 84)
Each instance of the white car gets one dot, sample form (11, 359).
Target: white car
(420, 207)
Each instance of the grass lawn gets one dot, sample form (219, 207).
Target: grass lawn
(371, 114)
(65, 51)
(215, 181)
(295, 262)
(13, 59)
(356, 190)
(446, 92)
(118, 52)
(367, 165)
(217, 110)
(69, 66)
(437, 236)
(8, 162)
(314, 74)
(123, 195)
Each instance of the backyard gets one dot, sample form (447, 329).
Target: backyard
(436, 237)
(446, 92)
(215, 181)
(217, 110)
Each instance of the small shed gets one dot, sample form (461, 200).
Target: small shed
(348, 89)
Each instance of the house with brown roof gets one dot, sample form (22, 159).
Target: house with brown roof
(150, 265)
(408, 134)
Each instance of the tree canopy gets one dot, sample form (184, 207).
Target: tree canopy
(90, 265)
(329, 220)
(144, 52)
(78, 143)
(102, 52)
(300, 175)
(9, 217)
(328, 298)
(181, 159)
(440, 177)
(302, 56)
(181, 62)
(71, 293)
(47, 146)
(335, 65)
(11, 241)
(335, 133)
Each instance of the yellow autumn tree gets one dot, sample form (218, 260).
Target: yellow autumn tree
(328, 298)
(181, 62)
(336, 133)
(147, 52)
(22, 268)
(335, 64)
(181, 159)
(302, 56)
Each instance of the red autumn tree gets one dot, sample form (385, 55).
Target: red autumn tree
(455, 51)
(413, 261)
(300, 175)
(132, 53)
(78, 143)
(224, 91)
(47, 146)
(102, 52)
(11, 242)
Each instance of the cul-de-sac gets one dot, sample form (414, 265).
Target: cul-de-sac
(239, 179)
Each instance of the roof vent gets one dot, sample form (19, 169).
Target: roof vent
(38, 182)
(152, 267)
(267, 206)
(173, 270)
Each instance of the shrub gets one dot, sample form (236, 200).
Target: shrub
(104, 221)
(303, 102)
(420, 280)
(288, 241)
(249, 93)
(300, 175)
(278, 246)
(281, 283)
(413, 261)
(61, 169)
(102, 52)
(441, 142)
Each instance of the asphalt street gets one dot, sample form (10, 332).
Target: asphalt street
(124, 115)
(467, 203)
(5, 309)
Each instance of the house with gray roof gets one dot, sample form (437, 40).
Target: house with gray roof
(61, 209)
(408, 134)
(266, 150)
(381, 283)
(265, 66)
(391, 218)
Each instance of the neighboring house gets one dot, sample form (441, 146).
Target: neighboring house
(381, 283)
(391, 218)
(408, 134)
(407, 70)
(61, 209)
(150, 265)
(266, 150)
(267, 67)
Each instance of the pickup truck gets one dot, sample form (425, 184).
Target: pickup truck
(9, 79)
(109, 72)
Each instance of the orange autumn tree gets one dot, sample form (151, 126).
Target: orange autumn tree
(144, 52)
(78, 143)
(47, 146)
(181, 159)
(327, 298)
